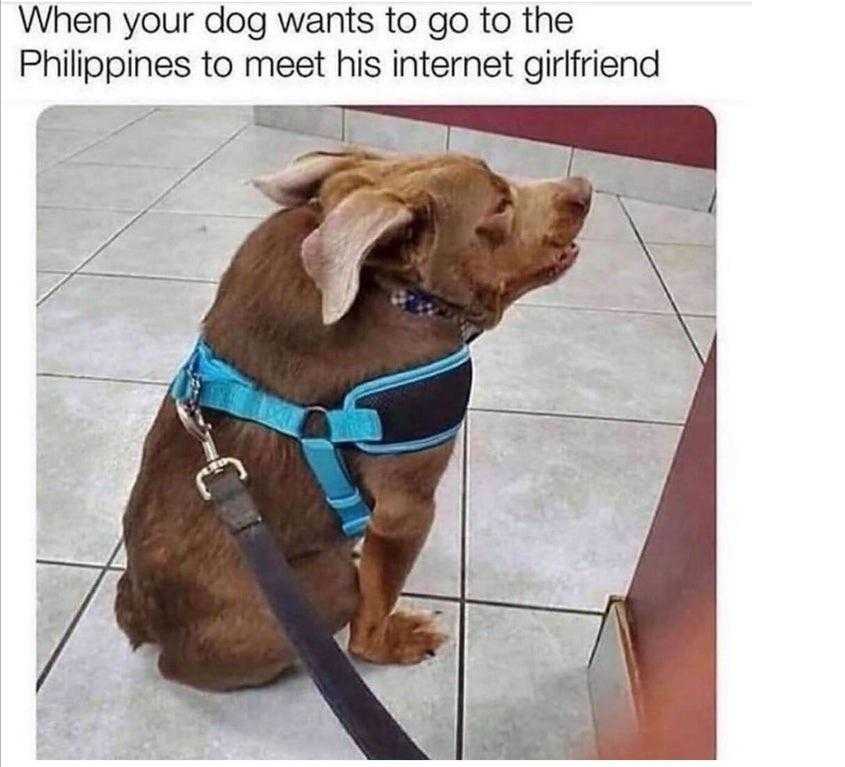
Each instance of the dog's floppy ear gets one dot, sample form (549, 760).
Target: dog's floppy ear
(299, 182)
(334, 252)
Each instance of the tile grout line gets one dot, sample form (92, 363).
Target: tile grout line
(534, 607)
(499, 411)
(602, 623)
(505, 605)
(57, 651)
(152, 277)
(646, 312)
(461, 682)
(169, 212)
(546, 414)
(95, 164)
(138, 215)
(103, 379)
(80, 565)
(660, 278)
(100, 140)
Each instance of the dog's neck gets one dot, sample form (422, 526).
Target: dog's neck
(267, 321)
(422, 304)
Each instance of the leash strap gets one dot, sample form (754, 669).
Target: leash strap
(369, 724)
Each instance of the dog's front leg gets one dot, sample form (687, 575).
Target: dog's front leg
(397, 531)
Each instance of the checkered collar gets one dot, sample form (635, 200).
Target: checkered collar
(424, 304)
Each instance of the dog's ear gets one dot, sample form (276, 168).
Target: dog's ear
(334, 252)
(300, 181)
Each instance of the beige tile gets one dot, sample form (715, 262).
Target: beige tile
(512, 156)
(90, 117)
(559, 508)
(207, 192)
(120, 327)
(702, 330)
(607, 275)
(90, 435)
(679, 185)
(106, 188)
(197, 121)
(140, 144)
(315, 121)
(662, 223)
(259, 150)
(60, 591)
(611, 681)
(45, 282)
(395, 133)
(526, 684)
(67, 237)
(222, 186)
(585, 362)
(53, 146)
(607, 221)
(689, 272)
(162, 244)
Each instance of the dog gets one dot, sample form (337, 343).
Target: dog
(304, 310)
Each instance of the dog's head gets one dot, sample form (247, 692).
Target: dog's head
(445, 224)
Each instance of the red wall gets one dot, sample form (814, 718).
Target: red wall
(678, 134)
(672, 598)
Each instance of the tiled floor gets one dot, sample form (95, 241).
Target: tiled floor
(577, 407)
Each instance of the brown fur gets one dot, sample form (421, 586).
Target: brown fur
(477, 242)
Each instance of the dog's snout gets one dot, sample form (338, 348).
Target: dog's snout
(579, 192)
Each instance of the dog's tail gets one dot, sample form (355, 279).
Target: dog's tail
(129, 614)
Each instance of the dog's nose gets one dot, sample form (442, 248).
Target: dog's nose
(579, 191)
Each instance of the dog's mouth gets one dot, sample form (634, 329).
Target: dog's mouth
(515, 288)
(567, 257)
(545, 275)
(562, 261)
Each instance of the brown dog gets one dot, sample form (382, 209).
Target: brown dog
(303, 310)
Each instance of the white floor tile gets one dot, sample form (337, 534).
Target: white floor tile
(526, 685)
(90, 435)
(559, 508)
(586, 362)
(120, 327)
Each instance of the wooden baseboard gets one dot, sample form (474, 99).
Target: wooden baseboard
(614, 684)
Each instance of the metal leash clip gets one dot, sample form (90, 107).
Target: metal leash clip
(196, 426)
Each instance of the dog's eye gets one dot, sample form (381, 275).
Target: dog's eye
(501, 206)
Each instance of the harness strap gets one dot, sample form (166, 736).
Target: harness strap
(367, 721)
(247, 401)
(405, 411)
(327, 466)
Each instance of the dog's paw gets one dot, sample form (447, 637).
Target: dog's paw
(404, 637)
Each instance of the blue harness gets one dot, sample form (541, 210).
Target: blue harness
(398, 413)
